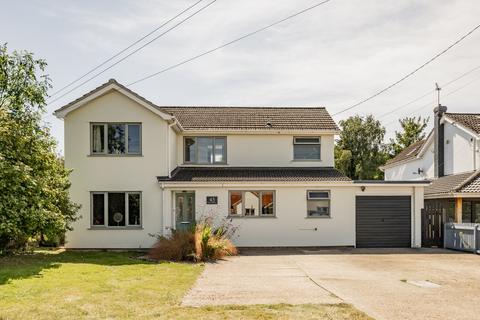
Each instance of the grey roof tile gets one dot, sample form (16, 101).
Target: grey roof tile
(253, 118)
(452, 183)
(254, 174)
(469, 120)
(408, 153)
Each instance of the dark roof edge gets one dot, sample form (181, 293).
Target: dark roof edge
(473, 176)
(392, 181)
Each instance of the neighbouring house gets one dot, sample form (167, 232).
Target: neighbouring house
(141, 169)
(450, 157)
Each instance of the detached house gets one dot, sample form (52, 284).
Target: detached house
(142, 169)
(450, 156)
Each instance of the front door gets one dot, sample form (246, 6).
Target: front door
(184, 210)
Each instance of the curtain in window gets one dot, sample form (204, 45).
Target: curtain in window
(98, 138)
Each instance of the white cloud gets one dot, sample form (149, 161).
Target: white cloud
(333, 56)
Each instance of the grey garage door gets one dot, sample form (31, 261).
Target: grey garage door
(383, 221)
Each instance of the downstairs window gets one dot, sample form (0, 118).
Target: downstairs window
(318, 203)
(252, 203)
(116, 209)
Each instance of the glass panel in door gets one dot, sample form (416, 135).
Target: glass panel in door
(184, 210)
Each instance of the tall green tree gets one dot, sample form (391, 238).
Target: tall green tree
(34, 184)
(360, 150)
(413, 130)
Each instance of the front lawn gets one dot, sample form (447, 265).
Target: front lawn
(93, 285)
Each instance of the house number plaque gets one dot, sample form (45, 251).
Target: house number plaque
(212, 200)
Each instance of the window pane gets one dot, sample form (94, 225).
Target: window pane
(267, 203)
(476, 210)
(318, 208)
(116, 209)
(467, 212)
(252, 201)
(134, 138)
(98, 207)
(307, 140)
(318, 195)
(98, 138)
(190, 150)
(134, 209)
(235, 203)
(220, 150)
(306, 152)
(205, 149)
(450, 208)
(116, 138)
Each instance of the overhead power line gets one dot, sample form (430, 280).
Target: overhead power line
(125, 49)
(427, 93)
(408, 75)
(433, 102)
(228, 43)
(137, 49)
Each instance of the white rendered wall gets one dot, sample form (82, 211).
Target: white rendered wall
(409, 170)
(290, 226)
(459, 150)
(103, 173)
(267, 150)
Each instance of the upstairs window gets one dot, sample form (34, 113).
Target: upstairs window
(306, 148)
(205, 150)
(318, 203)
(116, 138)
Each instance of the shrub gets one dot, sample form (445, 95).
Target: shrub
(210, 244)
(204, 243)
(180, 246)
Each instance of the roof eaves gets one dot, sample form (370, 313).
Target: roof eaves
(112, 84)
(449, 118)
(472, 177)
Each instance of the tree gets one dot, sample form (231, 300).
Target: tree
(413, 130)
(34, 184)
(360, 150)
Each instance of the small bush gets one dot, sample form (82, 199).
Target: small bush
(180, 246)
(204, 243)
(211, 245)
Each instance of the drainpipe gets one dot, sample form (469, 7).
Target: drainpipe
(475, 141)
(168, 146)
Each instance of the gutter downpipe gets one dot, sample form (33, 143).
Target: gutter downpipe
(168, 146)
(162, 185)
(475, 141)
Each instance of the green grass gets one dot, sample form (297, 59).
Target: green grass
(113, 285)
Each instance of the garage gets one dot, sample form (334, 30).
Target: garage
(383, 221)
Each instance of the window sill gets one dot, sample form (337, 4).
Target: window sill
(204, 164)
(306, 160)
(319, 217)
(251, 217)
(115, 228)
(114, 155)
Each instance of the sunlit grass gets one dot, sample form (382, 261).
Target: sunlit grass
(115, 285)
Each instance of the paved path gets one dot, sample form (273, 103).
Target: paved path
(384, 284)
(256, 280)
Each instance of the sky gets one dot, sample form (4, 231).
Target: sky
(332, 56)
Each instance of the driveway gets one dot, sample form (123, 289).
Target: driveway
(386, 284)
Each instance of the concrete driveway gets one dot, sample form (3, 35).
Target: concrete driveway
(386, 284)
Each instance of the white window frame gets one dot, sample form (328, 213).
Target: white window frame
(196, 150)
(105, 138)
(105, 211)
(328, 198)
(243, 215)
(319, 143)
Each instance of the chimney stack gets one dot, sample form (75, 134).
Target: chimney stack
(439, 142)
